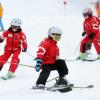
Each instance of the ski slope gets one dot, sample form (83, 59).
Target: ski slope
(37, 16)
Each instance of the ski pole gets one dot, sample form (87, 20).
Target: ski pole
(19, 64)
(53, 79)
(71, 59)
(77, 46)
(31, 55)
(26, 65)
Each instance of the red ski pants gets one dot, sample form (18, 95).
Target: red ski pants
(14, 61)
(86, 40)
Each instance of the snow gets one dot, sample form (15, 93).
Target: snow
(37, 16)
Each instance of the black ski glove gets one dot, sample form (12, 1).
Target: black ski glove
(83, 34)
(91, 35)
(1, 39)
(24, 49)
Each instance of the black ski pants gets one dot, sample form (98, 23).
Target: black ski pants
(59, 65)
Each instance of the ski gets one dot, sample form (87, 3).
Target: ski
(55, 89)
(64, 89)
(89, 57)
(5, 77)
(1, 78)
(69, 88)
(84, 87)
(78, 59)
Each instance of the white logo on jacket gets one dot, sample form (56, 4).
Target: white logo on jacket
(10, 35)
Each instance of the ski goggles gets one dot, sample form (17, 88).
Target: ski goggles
(85, 14)
(15, 27)
(56, 36)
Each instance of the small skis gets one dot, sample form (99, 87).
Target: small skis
(84, 87)
(64, 89)
(60, 88)
(69, 88)
(55, 88)
(5, 77)
(78, 59)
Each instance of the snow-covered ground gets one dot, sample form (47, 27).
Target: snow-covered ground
(37, 16)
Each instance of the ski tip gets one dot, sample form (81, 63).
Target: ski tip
(3, 78)
(90, 86)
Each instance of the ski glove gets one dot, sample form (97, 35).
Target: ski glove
(83, 34)
(38, 64)
(24, 49)
(1, 39)
(91, 35)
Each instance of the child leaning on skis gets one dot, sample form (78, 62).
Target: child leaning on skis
(48, 60)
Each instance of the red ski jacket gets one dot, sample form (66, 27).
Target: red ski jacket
(48, 51)
(15, 40)
(91, 25)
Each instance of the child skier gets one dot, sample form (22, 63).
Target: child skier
(48, 59)
(14, 39)
(91, 29)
